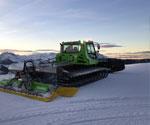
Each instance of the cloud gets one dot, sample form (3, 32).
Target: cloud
(27, 51)
(109, 45)
(130, 55)
(47, 50)
(14, 50)
(142, 52)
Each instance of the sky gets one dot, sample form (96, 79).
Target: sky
(43, 24)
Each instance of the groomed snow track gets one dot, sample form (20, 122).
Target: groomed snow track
(117, 110)
(89, 107)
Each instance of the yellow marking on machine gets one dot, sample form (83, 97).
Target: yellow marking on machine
(66, 91)
(60, 91)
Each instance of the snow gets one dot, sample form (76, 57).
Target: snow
(16, 66)
(16, 62)
(7, 76)
(20, 58)
(41, 56)
(121, 99)
(10, 56)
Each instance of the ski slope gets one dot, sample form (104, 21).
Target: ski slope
(121, 99)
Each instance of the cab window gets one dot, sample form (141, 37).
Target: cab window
(71, 48)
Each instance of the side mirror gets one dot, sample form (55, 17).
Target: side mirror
(98, 46)
(61, 47)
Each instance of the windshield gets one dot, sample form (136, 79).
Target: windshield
(90, 48)
(71, 48)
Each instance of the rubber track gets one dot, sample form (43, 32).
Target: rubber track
(85, 79)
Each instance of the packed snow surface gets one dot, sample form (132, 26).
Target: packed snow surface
(121, 99)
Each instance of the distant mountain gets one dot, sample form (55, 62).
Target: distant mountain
(40, 56)
(28, 51)
(3, 69)
(8, 58)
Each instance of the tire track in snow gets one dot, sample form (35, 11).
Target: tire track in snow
(74, 116)
(102, 114)
(107, 120)
(58, 108)
(72, 109)
(113, 99)
(102, 101)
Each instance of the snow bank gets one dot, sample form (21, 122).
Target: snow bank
(121, 99)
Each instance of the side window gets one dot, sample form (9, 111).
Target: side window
(76, 48)
(65, 48)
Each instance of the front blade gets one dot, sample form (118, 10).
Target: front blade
(66, 91)
(39, 98)
(38, 87)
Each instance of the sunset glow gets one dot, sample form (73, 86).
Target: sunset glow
(43, 24)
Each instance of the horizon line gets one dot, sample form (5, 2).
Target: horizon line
(55, 50)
